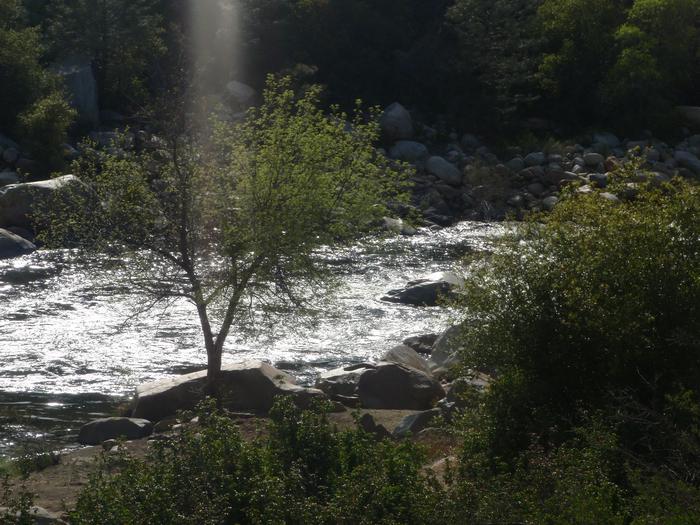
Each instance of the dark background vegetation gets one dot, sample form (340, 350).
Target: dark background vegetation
(478, 65)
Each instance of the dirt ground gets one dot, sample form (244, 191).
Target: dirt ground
(56, 488)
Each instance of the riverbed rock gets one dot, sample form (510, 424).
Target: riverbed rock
(688, 160)
(242, 95)
(414, 423)
(427, 291)
(342, 382)
(423, 344)
(12, 245)
(593, 159)
(443, 170)
(408, 151)
(100, 430)
(248, 386)
(397, 387)
(396, 123)
(398, 226)
(606, 138)
(33, 516)
(81, 86)
(446, 348)
(407, 356)
(8, 177)
(19, 201)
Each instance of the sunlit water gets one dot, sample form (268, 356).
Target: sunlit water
(68, 356)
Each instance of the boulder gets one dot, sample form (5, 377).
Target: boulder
(12, 245)
(593, 159)
(10, 155)
(423, 344)
(535, 159)
(242, 95)
(446, 348)
(100, 430)
(342, 381)
(405, 355)
(369, 425)
(81, 86)
(17, 201)
(688, 160)
(690, 113)
(443, 170)
(398, 226)
(426, 292)
(396, 123)
(411, 425)
(608, 139)
(249, 386)
(397, 387)
(550, 202)
(408, 151)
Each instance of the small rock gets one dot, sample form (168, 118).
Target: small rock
(12, 245)
(606, 138)
(593, 159)
(550, 202)
(516, 165)
(427, 291)
(423, 344)
(408, 151)
(416, 422)
(393, 386)
(535, 159)
(688, 160)
(599, 179)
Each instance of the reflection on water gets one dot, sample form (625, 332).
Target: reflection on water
(62, 330)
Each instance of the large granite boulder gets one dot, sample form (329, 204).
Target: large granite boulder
(427, 291)
(12, 245)
(447, 348)
(248, 386)
(444, 170)
(408, 151)
(19, 201)
(397, 387)
(405, 355)
(32, 515)
(100, 430)
(396, 123)
(80, 83)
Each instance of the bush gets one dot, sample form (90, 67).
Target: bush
(598, 301)
(302, 472)
(45, 124)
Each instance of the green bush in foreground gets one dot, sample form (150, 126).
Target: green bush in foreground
(303, 472)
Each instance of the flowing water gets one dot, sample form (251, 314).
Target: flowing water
(68, 356)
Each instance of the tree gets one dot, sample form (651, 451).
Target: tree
(33, 107)
(236, 220)
(124, 38)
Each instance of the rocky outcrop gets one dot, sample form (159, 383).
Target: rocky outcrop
(248, 386)
(342, 382)
(19, 201)
(100, 430)
(80, 83)
(398, 387)
(426, 292)
(12, 245)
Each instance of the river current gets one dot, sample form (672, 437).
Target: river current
(68, 354)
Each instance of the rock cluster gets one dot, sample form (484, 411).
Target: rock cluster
(461, 178)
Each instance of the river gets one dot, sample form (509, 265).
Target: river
(68, 355)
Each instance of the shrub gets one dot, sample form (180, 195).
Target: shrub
(302, 472)
(597, 299)
(45, 124)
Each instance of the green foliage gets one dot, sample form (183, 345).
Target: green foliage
(35, 110)
(45, 126)
(302, 473)
(597, 298)
(123, 37)
(495, 54)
